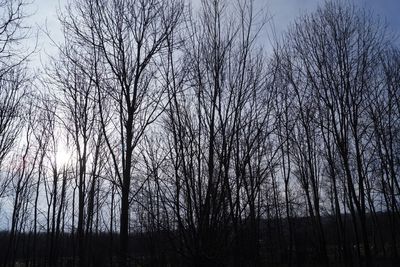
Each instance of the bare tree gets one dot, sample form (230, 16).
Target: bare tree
(384, 114)
(332, 61)
(13, 73)
(188, 145)
(124, 40)
(219, 123)
(78, 112)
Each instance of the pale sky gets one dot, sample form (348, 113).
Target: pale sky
(283, 13)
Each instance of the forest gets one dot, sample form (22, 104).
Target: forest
(168, 133)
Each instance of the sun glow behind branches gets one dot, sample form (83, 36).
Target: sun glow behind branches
(63, 155)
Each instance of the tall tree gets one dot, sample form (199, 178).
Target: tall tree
(13, 74)
(332, 59)
(219, 124)
(124, 41)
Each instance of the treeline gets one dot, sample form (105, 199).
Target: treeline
(167, 135)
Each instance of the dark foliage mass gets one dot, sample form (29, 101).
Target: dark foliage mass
(166, 135)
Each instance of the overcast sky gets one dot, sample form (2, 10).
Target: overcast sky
(283, 13)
